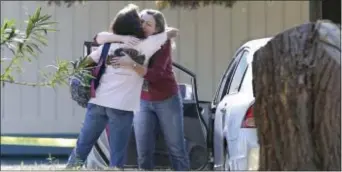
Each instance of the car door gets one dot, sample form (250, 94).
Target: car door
(195, 127)
(229, 85)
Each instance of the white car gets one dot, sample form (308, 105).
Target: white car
(235, 139)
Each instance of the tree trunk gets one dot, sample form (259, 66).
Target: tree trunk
(297, 88)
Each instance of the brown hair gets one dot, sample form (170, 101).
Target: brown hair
(158, 17)
(161, 23)
(127, 22)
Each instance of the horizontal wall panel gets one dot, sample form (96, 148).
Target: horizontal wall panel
(208, 38)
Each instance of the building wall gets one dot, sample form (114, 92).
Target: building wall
(208, 38)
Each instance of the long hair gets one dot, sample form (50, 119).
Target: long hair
(161, 26)
(127, 22)
(160, 20)
(158, 17)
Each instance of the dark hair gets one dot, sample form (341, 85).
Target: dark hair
(127, 22)
(158, 17)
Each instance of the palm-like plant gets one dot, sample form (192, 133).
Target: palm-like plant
(25, 45)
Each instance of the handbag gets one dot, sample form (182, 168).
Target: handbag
(83, 84)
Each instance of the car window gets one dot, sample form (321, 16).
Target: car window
(247, 85)
(238, 74)
(226, 78)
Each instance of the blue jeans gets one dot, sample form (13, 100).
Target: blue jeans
(169, 114)
(96, 119)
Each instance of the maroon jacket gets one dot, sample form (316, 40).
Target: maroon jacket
(160, 82)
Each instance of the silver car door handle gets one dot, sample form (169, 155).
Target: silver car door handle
(223, 110)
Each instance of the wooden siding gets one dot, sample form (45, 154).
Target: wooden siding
(208, 38)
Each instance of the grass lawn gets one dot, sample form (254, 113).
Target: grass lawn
(33, 167)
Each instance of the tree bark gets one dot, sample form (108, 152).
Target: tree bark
(297, 89)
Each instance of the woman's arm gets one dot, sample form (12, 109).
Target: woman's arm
(139, 69)
(152, 44)
(127, 62)
(157, 71)
(106, 37)
(147, 46)
(95, 56)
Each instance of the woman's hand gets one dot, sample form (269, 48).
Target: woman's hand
(130, 41)
(172, 32)
(127, 62)
(122, 62)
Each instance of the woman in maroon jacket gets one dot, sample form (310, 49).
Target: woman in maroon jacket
(161, 103)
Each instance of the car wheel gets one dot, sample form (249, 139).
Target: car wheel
(197, 157)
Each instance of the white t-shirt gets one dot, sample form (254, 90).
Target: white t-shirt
(120, 88)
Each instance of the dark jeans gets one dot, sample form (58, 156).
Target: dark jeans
(96, 119)
(169, 114)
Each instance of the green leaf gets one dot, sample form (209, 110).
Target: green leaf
(27, 44)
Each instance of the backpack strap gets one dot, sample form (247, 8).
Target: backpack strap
(104, 54)
(99, 69)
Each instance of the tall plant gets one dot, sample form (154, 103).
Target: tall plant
(25, 45)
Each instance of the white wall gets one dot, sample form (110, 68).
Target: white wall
(208, 38)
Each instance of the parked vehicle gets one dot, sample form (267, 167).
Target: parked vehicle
(221, 134)
(235, 139)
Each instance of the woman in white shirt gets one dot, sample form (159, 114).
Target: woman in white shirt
(118, 93)
(161, 108)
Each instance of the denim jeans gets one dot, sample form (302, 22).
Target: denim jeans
(96, 119)
(169, 115)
